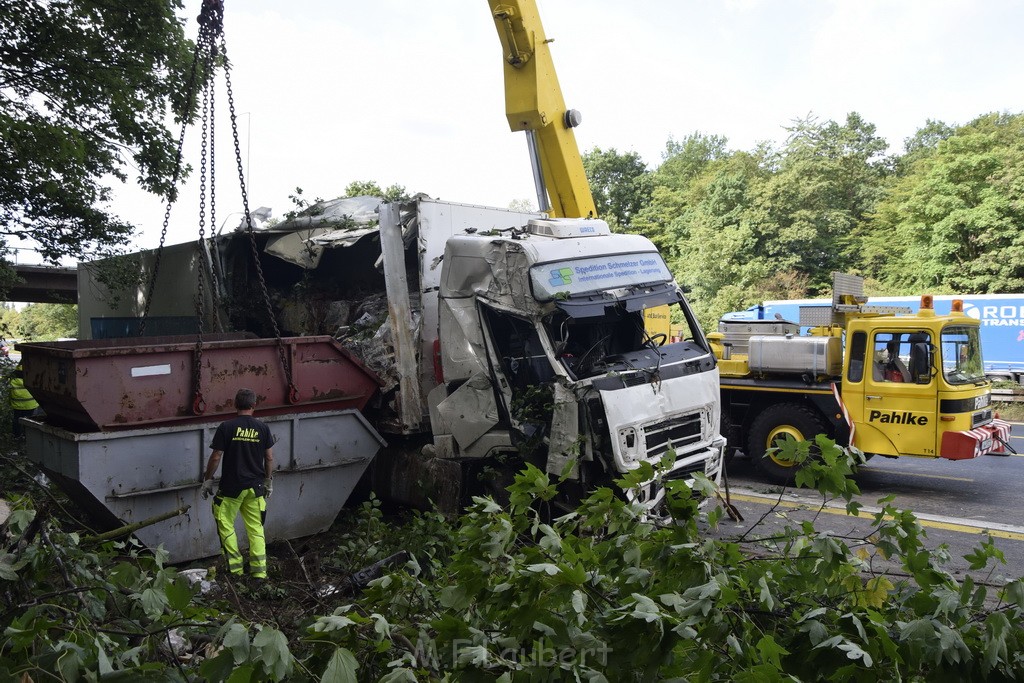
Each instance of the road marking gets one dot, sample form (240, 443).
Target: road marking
(968, 526)
(914, 474)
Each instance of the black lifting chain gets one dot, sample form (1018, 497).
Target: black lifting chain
(211, 51)
(208, 23)
(293, 392)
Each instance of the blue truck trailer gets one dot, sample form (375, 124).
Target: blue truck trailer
(1001, 316)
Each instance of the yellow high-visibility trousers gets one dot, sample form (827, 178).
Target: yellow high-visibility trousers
(254, 512)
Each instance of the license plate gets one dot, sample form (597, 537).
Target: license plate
(986, 445)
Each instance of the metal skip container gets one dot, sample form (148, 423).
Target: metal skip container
(111, 384)
(124, 465)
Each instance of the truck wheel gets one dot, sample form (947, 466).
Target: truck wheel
(773, 425)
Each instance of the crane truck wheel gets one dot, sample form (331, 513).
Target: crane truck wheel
(775, 424)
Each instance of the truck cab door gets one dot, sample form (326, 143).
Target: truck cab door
(520, 370)
(895, 409)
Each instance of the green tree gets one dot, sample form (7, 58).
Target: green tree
(620, 183)
(954, 219)
(814, 209)
(47, 322)
(716, 243)
(9, 317)
(682, 161)
(923, 143)
(370, 188)
(86, 87)
(740, 227)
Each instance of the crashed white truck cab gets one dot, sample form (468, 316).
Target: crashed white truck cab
(542, 348)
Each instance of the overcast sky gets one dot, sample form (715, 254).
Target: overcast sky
(411, 93)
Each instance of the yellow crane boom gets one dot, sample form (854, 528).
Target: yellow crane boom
(534, 103)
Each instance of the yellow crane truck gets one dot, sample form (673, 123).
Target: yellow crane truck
(876, 378)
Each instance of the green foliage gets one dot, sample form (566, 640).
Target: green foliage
(683, 161)
(87, 87)
(302, 206)
(620, 184)
(70, 610)
(606, 594)
(42, 322)
(952, 222)
(394, 193)
(740, 227)
(506, 593)
(533, 403)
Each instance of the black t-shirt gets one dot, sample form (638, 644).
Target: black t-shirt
(245, 441)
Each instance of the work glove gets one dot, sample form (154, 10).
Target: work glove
(268, 487)
(207, 489)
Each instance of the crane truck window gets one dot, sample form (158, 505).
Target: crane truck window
(857, 346)
(595, 274)
(961, 355)
(901, 357)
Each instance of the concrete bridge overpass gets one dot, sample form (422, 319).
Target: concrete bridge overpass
(45, 284)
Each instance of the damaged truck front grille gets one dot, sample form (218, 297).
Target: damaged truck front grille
(679, 433)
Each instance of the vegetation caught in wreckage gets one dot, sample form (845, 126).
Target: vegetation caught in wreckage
(602, 593)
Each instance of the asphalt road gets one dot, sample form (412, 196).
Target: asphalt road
(957, 502)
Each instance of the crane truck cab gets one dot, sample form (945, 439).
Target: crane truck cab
(879, 379)
(544, 352)
(937, 404)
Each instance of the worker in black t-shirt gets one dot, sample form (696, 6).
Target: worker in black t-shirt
(245, 483)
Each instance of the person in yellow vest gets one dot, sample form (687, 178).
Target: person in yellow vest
(246, 446)
(22, 403)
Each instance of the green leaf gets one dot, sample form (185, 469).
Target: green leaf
(125, 575)
(217, 668)
(341, 668)
(154, 602)
(242, 674)
(399, 675)
(771, 651)
(179, 593)
(543, 628)
(333, 622)
(454, 597)
(272, 648)
(854, 651)
(103, 665)
(579, 603)
(550, 540)
(69, 661)
(997, 626)
(1013, 592)
(237, 641)
(9, 567)
(766, 594)
(19, 520)
(646, 609)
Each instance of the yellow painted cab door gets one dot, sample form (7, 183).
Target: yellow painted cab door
(900, 399)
